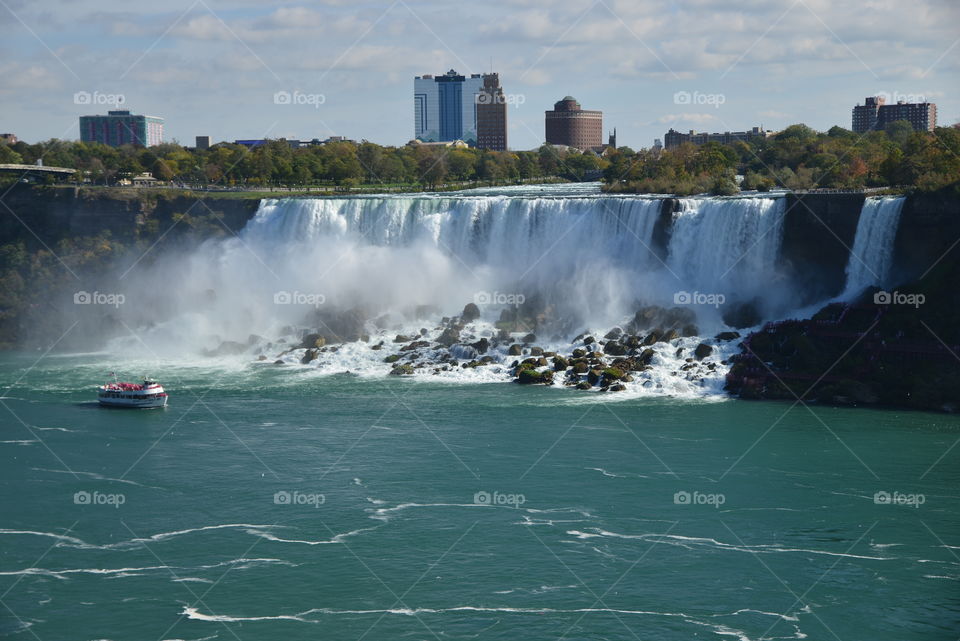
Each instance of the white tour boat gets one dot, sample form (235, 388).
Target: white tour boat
(148, 394)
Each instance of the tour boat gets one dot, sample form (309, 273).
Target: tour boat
(146, 395)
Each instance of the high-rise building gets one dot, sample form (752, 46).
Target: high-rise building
(572, 126)
(203, 142)
(491, 114)
(675, 138)
(122, 128)
(876, 114)
(445, 107)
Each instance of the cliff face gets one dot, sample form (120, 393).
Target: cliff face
(55, 213)
(818, 232)
(929, 233)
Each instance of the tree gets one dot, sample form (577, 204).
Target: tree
(162, 171)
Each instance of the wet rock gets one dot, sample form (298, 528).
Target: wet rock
(308, 356)
(579, 353)
(536, 351)
(615, 349)
(560, 363)
(740, 315)
(392, 358)
(529, 338)
(584, 385)
(470, 313)
(402, 370)
(703, 350)
(613, 334)
(481, 346)
(533, 377)
(515, 350)
(415, 345)
(400, 338)
(449, 336)
(727, 336)
(589, 340)
(619, 387)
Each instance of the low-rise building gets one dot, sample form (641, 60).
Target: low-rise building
(675, 138)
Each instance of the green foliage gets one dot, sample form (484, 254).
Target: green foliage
(796, 158)
(276, 164)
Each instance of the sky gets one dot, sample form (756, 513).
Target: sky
(238, 69)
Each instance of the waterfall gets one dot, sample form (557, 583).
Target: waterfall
(872, 254)
(727, 246)
(584, 260)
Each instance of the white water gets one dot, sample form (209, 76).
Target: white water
(407, 261)
(727, 246)
(872, 253)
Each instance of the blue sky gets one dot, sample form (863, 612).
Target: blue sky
(215, 67)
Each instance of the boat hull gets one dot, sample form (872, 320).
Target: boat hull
(134, 403)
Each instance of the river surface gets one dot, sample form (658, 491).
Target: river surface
(283, 503)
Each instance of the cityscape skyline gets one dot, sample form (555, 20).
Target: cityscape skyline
(186, 62)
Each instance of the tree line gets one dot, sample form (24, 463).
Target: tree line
(276, 163)
(796, 158)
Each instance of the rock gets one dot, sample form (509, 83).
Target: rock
(619, 387)
(278, 362)
(584, 385)
(679, 352)
(261, 357)
(589, 340)
(579, 353)
(612, 374)
(727, 336)
(313, 340)
(703, 350)
(613, 334)
(481, 346)
(449, 336)
(594, 376)
(740, 315)
(646, 356)
(536, 351)
(690, 330)
(515, 350)
(560, 363)
(400, 338)
(615, 349)
(377, 347)
(470, 313)
(415, 345)
(533, 377)
(671, 334)
(632, 342)
(529, 338)
(580, 368)
(393, 358)
(309, 355)
(402, 370)
(652, 338)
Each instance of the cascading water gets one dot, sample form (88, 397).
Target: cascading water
(403, 262)
(727, 246)
(872, 254)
